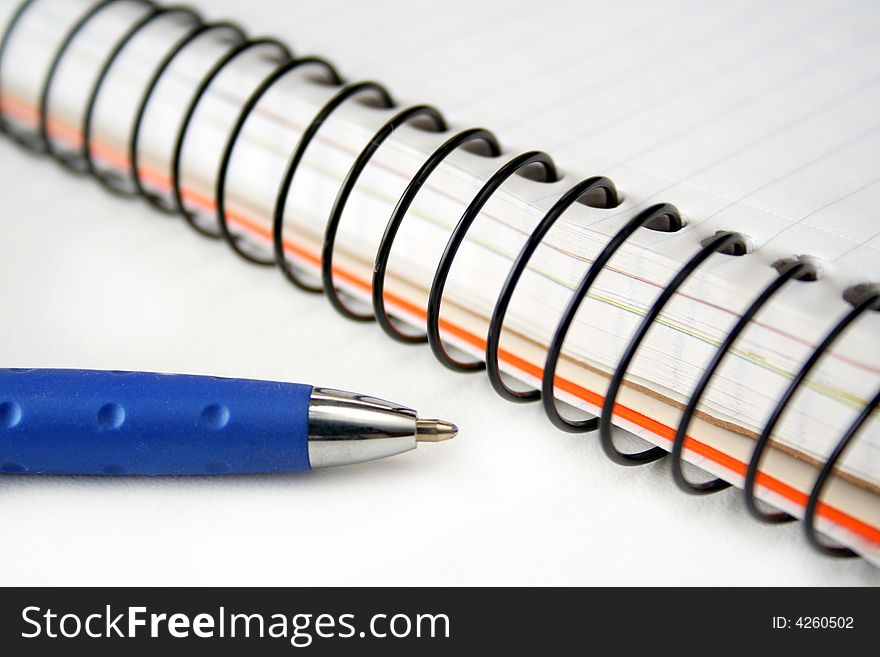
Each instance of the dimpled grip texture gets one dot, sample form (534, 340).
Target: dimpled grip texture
(139, 423)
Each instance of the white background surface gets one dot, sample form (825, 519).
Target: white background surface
(87, 280)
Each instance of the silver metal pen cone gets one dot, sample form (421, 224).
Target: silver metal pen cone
(346, 428)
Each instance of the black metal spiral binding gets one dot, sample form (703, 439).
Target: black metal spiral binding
(496, 323)
(716, 244)
(134, 142)
(182, 131)
(282, 198)
(29, 142)
(89, 116)
(871, 301)
(793, 271)
(70, 162)
(249, 105)
(397, 215)
(435, 296)
(819, 485)
(347, 186)
(662, 214)
(661, 217)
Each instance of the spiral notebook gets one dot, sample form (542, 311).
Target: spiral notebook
(699, 273)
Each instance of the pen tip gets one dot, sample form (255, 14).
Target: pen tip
(433, 431)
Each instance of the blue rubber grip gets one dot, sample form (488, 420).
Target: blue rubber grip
(138, 423)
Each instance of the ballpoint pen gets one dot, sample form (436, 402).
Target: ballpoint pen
(89, 422)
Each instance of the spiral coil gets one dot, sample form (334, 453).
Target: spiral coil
(661, 217)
